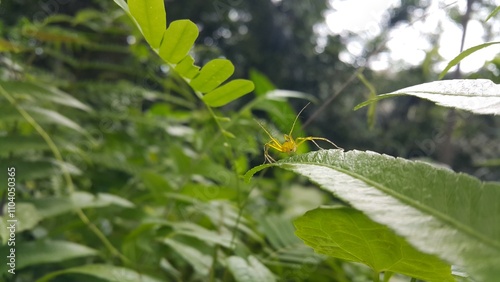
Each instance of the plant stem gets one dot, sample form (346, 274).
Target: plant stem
(387, 276)
(376, 276)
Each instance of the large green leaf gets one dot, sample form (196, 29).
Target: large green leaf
(151, 17)
(480, 96)
(249, 270)
(40, 252)
(178, 40)
(348, 234)
(212, 75)
(103, 271)
(451, 215)
(228, 92)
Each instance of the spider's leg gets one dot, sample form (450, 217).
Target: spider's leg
(319, 147)
(301, 140)
(267, 157)
(271, 144)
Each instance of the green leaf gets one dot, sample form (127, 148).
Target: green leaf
(287, 248)
(198, 191)
(41, 115)
(87, 16)
(178, 40)
(170, 269)
(280, 94)
(7, 46)
(4, 232)
(28, 90)
(275, 103)
(208, 236)
(212, 75)
(19, 144)
(53, 206)
(151, 17)
(41, 252)
(249, 174)
(103, 271)
(200, 262)
(122, 5)
(220, 212)
(27, 216)
(480, 96)
(497, 9)
(102, 200)
(262, 83)
(31, 170)
(464, 54)
(228, 92)
(451, 215)
(348, 234)
(187, 68)
(49, 116)
(491, 162)
(279, 232)
(228, 134)
(249, 270)
(9, 113)
(155, 182)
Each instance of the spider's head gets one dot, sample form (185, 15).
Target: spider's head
(289, 146)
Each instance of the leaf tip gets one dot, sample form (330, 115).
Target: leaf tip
(249, 174)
